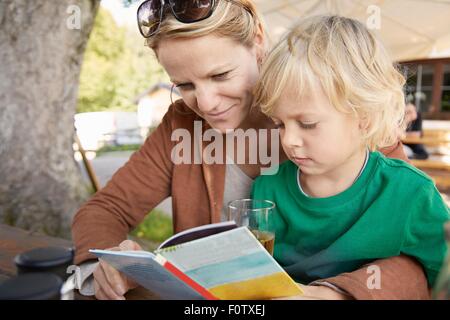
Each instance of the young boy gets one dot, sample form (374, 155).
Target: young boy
(333, 92)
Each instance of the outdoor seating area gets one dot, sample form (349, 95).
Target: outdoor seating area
(224, 150)
(437, 165)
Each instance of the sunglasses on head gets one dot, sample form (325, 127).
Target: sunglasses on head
(151, 12)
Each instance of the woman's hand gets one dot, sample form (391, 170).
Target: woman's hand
(318, 293)
(110, 284)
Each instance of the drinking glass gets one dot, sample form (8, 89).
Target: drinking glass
(258, 216)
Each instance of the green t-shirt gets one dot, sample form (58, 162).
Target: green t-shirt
(391, 208)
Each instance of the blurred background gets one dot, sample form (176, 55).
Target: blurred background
(79, 93)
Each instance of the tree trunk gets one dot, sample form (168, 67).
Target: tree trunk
(41, 53)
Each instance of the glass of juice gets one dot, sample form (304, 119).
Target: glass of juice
(258, 216)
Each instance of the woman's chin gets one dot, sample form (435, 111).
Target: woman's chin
(223, 129)
(224, 126)
(230, 120)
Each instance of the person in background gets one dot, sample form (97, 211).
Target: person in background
(413, 118)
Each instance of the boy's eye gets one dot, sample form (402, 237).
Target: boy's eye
(279, 125)
(307, 125)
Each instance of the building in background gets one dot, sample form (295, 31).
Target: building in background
(428, 81)
(98, 129)
(416, 33)
(153, 105)
(116, 128)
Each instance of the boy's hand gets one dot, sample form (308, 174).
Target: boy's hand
(318, 293)
(110, 284)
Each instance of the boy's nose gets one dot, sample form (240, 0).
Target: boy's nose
(291, 139)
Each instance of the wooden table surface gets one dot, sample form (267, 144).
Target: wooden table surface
(14, 241)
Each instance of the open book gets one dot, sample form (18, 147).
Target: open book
(229, 264)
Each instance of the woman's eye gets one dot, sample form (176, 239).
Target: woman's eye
(221, 76)
(185, 86)
(279, 125)
(307, 125)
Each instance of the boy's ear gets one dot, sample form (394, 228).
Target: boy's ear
(364, 124)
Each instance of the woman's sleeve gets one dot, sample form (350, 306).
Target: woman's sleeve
(395, 151)
(395, 278)
(135, 189)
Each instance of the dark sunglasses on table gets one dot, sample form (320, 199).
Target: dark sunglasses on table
(151, 12)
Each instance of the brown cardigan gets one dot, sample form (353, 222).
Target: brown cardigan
(197, 195)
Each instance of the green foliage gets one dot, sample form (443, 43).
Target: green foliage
(117, 67)
(157, 226)
(125, 147)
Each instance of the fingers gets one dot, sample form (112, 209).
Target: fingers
(109, 284)
(99, 293)
(114, 278)
(305, 289)
(308, 294)
(129, 245)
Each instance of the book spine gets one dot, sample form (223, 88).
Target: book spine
(185, 278)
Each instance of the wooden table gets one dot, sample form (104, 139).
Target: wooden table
(426, 141)
(13, 241)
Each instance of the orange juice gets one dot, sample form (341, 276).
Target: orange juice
(266, 238)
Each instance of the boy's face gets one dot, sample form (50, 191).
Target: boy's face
(317, 137)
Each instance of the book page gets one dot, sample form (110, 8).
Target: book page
(232, 265)
(214, 249)
(197, 233)
(142, 268)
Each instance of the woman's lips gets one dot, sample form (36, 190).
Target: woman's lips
(219, 115)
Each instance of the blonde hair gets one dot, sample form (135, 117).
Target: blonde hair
(349, 63)
(236, 19)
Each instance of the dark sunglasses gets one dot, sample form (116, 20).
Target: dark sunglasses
(151, 12)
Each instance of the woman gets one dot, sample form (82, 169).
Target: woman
(212, 51)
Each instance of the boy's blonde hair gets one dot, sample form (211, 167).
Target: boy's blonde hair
(350, 64)
(235, 19)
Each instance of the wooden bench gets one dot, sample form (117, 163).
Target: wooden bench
(436, 170)
(437, 166)
(433, 163)
(431, 138)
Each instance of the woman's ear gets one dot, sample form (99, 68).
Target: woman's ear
(260, 44)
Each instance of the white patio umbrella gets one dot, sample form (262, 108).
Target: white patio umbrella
(411, 29)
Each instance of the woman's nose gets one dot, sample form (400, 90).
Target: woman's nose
(207, 99)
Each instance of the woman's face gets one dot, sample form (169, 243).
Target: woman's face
(215, 76)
